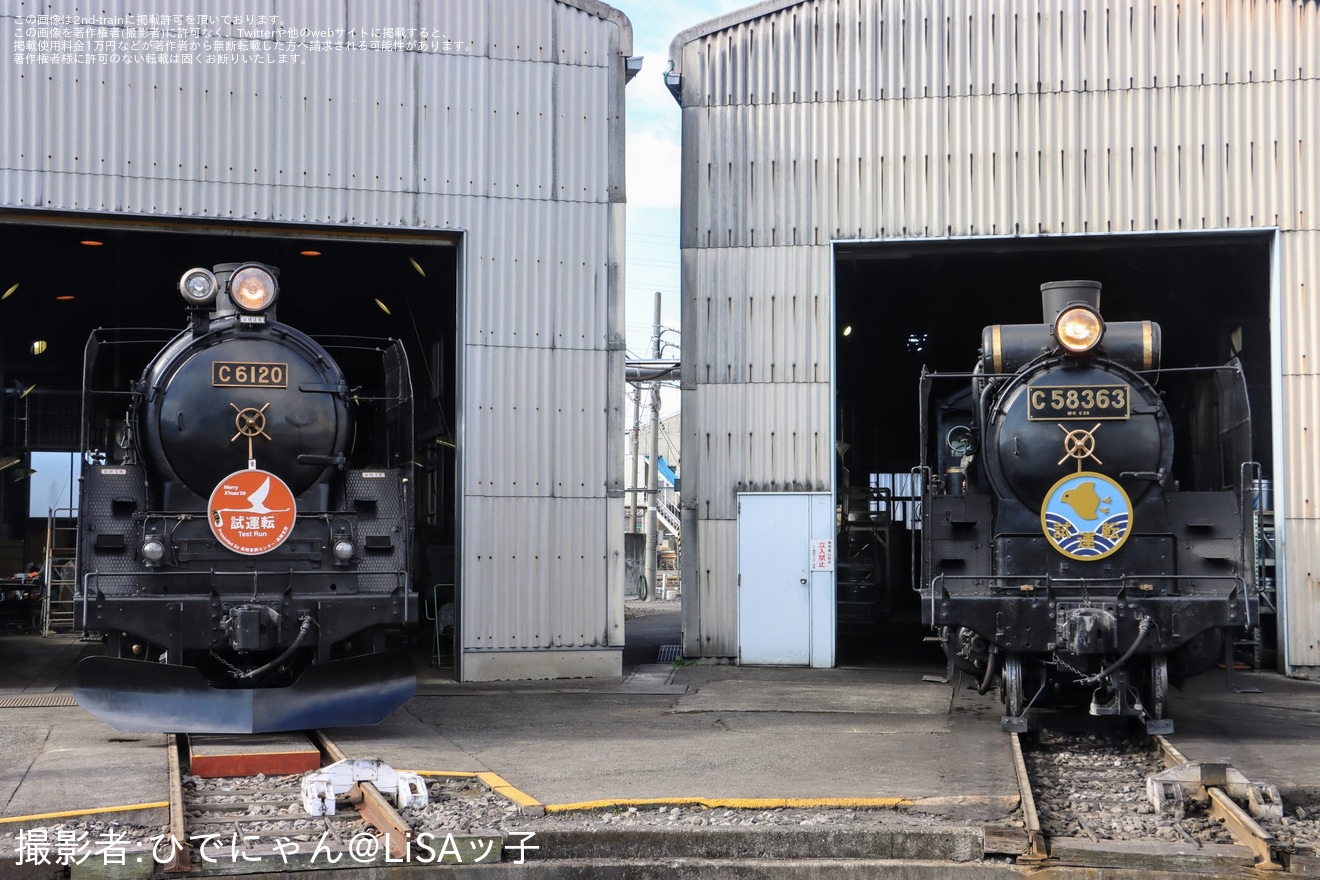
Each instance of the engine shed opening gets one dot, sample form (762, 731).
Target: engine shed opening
(901, 306)
(66, 276)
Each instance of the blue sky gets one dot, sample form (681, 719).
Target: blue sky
(653, 147)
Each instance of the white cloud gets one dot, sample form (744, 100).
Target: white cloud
(654, 123)
(653, 167)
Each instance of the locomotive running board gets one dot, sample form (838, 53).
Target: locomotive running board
(134, 696)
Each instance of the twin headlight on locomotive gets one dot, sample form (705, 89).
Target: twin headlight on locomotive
(252, 289)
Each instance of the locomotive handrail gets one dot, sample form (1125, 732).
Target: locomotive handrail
(921, 474)
(226, 573)
(338, 459)
(1230, 367)
(111, 392)
(1153, 476)
(1067, 588)
(1048, 581)
(1055, 587)
(341, 340)
(89, 591)
(103, 333)
(1250, 473)
(965, 374)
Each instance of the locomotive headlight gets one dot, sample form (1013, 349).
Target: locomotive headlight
(198, 287)
(1078, 329)
(252, 289)
(344, 550)
(153, 550)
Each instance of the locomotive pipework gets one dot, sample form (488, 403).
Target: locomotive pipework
(244, 543)
(1056, 535)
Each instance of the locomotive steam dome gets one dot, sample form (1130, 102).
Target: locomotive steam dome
(239, 386)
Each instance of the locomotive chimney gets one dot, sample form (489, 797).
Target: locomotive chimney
(1055, 296)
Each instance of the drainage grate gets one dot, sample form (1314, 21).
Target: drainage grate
(669, 653)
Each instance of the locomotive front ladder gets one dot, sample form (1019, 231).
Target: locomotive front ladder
(59, 570)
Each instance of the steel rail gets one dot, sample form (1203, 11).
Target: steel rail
(180, 860)
(1245, 830)
(373, 806)
(1037, 850)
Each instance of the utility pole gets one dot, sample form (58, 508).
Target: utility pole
(634, 487)
(652, 474)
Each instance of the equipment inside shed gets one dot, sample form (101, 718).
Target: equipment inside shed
(904, 306)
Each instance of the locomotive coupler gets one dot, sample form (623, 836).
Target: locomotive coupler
(304, 632)
(1087, 630)
(1143, 630)
(252, 627)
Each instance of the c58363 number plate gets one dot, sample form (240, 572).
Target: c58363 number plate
(1062, 402)
(239, 374)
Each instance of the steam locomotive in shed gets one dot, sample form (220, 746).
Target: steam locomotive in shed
(245, 520)
(1086, 513)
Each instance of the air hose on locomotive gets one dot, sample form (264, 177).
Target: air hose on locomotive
(1142, 630)
(305, 630)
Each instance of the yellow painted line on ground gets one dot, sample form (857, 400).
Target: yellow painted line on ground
(498, 785)
(736, 803)
(493, 781)
(41, 817)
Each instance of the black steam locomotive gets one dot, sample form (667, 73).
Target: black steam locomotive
(245, 520)
(1064, 548)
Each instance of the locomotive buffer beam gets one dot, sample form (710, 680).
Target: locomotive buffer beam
(964, 601)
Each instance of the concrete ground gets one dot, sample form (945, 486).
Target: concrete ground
(890, 730)
(718, 730)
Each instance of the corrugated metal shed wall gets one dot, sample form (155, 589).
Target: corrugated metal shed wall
(1300, 327)
(886, 119)
(507, 125)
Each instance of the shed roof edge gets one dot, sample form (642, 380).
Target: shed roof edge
(719, 23)
(609, 13)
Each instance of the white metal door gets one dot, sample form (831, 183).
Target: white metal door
(785, 579)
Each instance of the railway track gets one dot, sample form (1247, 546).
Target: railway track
(262, 819)
(1086, 801)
